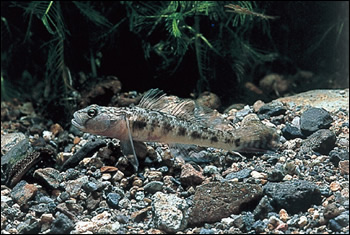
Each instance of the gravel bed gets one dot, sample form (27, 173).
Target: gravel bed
(302, 187)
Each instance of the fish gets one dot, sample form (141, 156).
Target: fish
(171, 120)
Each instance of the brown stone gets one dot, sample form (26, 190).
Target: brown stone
(217, 200)
(190, 176)
(344, 167)
(23, 192)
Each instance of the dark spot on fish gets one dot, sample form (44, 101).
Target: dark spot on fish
(195, 135)
(227, 140)
(139, 124)
(182, 131)
(167, 127)
(237, 142)
(214, 139)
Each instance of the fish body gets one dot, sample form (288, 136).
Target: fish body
(170, 120)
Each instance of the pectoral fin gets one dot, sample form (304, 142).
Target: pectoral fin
(128, 149)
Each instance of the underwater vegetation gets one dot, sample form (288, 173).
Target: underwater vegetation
(210, 45)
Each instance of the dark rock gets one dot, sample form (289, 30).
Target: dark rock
(153, 187)
(113, 200)
(314, 119)
(123, 219)
(322, 141)
(334, 225)
(291, 132)
(272, 109)
(62, 225)
(275, 175)
(293, 196)
(343, 219)
(86, 151)
(263, 208)
(331, 211)
(40, 208)
(92, 201)
(89, 187)
(221, 199)
(245, 173)
(72, 174)
(33, 228)
(49, 177)
(259, 226)
(63, 196)
(335, 156)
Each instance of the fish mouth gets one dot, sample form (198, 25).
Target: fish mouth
(76, 121)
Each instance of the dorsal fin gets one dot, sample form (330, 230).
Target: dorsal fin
(185, 109)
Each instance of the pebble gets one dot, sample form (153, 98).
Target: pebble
(279, 192)
(344, 167)
(190, 176)
(322, 141)
(169, 212)
(283, 215)
(294, 196)
(49, 177)
(335, 186)
(291, 132)
(113, 200)
(314, 119)
(153, 187)
(213, 198)
(302, 221)
(23, 192)
(62, 225)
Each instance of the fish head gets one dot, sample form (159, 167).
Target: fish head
(99, 120)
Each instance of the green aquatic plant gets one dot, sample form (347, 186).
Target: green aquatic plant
(183, 25)
(170, 30)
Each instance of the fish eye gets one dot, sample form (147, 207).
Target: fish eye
(92, 112)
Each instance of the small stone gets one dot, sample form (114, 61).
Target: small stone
(322, 141)
(283, 215)
(56, 129)
(46, 218)
(335, 156)
(137, 182)
(118, 176)
(240, 174)
(50, 177)
(302, 221)
(344, 167)
(291, 132)
(153, 187)
(335, 186)
(293, 196)
(189, 176)
(331, 211)
(113, 200)
(314, 119)
(220, 200)
(155, 176)
(287, 178)
(140, 215)
(62, 225)
(170, 212)
(258, 175)
(257, 105)
(106, 176)
(76, 140)
(23, 192)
